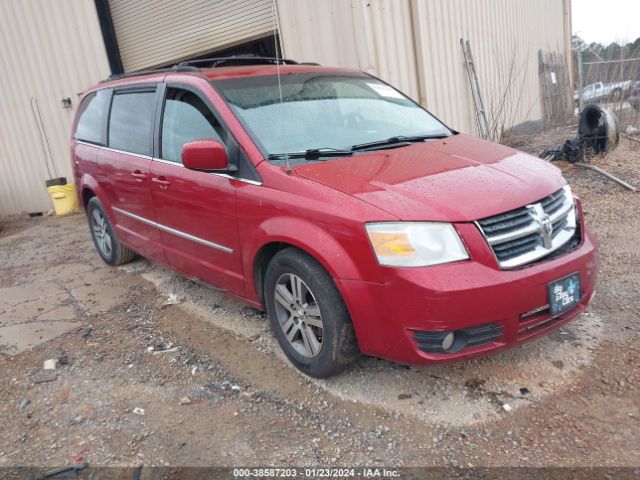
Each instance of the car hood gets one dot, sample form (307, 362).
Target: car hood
(456, 179)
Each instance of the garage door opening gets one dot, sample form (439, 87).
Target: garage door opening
(145, 35)
(264, 47)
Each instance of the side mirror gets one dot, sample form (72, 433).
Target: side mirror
(206, 155)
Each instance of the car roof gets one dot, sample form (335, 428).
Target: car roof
(217, 73)
(258, 70)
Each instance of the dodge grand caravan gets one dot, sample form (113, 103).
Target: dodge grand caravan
(354, 217)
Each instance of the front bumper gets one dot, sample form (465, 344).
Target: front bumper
(463, 295)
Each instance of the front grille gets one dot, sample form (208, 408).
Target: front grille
(526, 234)
(431, 342)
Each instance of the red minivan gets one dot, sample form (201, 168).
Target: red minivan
(354, 217)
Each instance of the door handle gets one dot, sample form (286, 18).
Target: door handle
(139, 175)
(161, 181)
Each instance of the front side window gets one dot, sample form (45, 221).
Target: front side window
(324, 111)
(91, 117)
(131, 121)
(186, 118)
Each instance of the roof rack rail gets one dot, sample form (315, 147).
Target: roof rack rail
(214, 62)
(135, 73)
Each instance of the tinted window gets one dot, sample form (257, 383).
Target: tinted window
(91, 117)
(186, 118)
(131, 122)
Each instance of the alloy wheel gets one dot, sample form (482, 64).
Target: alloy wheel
(100, 232)
(299, 315)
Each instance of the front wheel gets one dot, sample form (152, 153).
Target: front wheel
(307, 314)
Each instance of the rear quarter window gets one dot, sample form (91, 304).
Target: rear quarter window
(131, 121)
(91, 117)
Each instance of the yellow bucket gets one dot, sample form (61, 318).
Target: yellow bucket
(64, 198)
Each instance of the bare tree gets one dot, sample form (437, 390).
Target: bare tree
(505, 105)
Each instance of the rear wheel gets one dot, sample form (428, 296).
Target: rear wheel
(307, 314)
(104, 238)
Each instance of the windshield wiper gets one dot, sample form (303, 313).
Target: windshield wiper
(311, 154)
(397, 141)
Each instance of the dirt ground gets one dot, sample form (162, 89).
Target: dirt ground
(155, 370)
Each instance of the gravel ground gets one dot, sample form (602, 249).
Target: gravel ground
(154, 370)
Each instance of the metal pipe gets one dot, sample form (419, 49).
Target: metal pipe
(608, 175)
(631, 138)
(580, 79)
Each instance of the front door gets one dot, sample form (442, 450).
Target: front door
(196, 211)
(125, 165)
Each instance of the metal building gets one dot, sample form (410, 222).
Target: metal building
(53, 49)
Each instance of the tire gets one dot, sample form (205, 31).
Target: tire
(104, 238)
(315, 317)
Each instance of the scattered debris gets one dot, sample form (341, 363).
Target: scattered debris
(50, 364)
(185, 401)
(45, 379)
(24, 403)
(166, 350)
(159, 348)
(404, 396)
(63, 359)
(172, 299)
(598, 133)
(507, 407)
(194, 370)
(138, 411)
(524, 391)
(77, 420)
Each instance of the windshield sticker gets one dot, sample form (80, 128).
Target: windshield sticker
(385, 90)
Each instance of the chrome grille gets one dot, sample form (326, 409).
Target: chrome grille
(523, 235)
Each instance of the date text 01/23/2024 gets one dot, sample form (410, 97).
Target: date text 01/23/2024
(315, 473)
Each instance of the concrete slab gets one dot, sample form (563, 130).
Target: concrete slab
(99, 298)
(18, 338)
(15, 295)
(27, 311)
(66, 312)
(95, 276)
(61, 273)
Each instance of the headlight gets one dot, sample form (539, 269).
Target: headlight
(407, 244)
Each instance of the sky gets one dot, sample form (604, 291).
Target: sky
(606, 21)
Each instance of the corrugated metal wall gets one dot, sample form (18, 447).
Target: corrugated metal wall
(49, 49)
(505, 36)
(373, 35)
(157, 32)
(414, 44)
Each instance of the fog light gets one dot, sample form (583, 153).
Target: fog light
(448, 340)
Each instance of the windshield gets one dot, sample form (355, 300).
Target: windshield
(324, 111)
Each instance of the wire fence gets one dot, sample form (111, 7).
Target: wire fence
(613, 84)
(556, 88)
